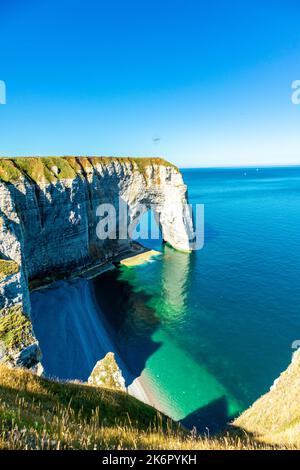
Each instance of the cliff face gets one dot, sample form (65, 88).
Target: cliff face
(48, 214)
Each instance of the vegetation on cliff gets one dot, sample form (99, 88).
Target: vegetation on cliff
(15, 331)
(51, 169)
(7, 268)
(37, 413)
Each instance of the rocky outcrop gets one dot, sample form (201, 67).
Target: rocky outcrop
(48, 214)
(18, 346)
(107, 373)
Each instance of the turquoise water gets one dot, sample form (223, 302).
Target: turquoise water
(209, 331)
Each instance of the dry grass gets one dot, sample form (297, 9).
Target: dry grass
(40, 414)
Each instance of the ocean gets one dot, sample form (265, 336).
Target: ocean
(207, 332)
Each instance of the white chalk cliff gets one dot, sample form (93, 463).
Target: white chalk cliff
(48, 215)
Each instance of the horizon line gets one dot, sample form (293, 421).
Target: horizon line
(274, 165)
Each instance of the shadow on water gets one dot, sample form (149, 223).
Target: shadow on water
(209, 419)
(74, 333)
(121, 305)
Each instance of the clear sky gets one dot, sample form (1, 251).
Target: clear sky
(201, 83)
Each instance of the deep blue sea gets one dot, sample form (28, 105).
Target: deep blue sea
(210, 331)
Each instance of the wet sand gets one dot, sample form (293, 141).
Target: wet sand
(140, 258)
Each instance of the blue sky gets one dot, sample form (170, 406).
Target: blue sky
(200, 83)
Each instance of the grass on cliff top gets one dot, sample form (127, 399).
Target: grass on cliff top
(51, 169)
(36, 413)
(15, 330)
(7, 268)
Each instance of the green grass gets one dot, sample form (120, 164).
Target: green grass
(36, 413)
(15, 330)
(7, 268)
(51, 169)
